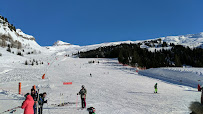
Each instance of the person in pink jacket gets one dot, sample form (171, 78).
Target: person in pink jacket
(28, 105)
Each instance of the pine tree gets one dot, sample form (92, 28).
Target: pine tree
(120, 56)
(9, 49)
(177, 61)
(26, 63)
(32, 63)
(19, 45)
(19, 53)
(6, 19)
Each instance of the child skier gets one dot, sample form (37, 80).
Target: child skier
(155, 87)
(82, 94)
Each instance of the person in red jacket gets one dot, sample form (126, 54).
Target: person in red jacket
(28, 105)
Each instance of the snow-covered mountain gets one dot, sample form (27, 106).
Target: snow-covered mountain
(190, 40)
(27, 42)
(13, 36)
(61, 43)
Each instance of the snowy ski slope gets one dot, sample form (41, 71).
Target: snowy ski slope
(112, 89)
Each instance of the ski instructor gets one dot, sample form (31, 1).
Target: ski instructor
(82, 94)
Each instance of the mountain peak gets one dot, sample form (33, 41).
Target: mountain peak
(22, 34)
(61, 43)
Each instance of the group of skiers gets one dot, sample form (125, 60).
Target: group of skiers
(34, 102)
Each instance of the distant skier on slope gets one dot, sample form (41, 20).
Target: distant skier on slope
(28, 105)
(155, 87)
(82, 94)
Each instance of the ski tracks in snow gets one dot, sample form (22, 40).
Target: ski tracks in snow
(5, 71)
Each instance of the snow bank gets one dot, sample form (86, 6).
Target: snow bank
(173, 76)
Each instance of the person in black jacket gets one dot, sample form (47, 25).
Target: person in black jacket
(82, 94)
(42, 101)
(34, 96)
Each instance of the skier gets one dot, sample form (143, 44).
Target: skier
(34, 96)
(42, 101)
(28, 105)
(82, 94)
(155, 87)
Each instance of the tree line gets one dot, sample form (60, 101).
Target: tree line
(132, 54)
(5, 21)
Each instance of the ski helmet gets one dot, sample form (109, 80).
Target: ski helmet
(83, 86)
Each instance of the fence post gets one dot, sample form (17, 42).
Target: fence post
(19, 88)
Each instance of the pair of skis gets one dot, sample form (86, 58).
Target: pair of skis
(64, 104)
(11, 110)
(37, 105)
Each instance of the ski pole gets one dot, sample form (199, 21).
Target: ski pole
(77, 102)
(37, 104)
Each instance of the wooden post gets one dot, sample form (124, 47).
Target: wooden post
(19, 88)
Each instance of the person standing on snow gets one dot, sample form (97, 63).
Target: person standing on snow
(42, 101)
(34, 96)
(155, 87)
(28, 105)
(82, 94)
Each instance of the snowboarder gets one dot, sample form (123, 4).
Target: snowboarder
(34, 96)
(82, 94)
(28, 105)
(42, 101)
(155, 87)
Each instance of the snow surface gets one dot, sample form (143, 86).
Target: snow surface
(19, 31)
(190, 40)
(182, 76)
(112, 89)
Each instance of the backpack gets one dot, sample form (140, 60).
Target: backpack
(91, 109)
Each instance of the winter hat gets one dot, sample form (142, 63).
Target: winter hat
(26, 95)
(83, 86)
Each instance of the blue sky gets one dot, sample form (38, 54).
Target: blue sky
(85, 22)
